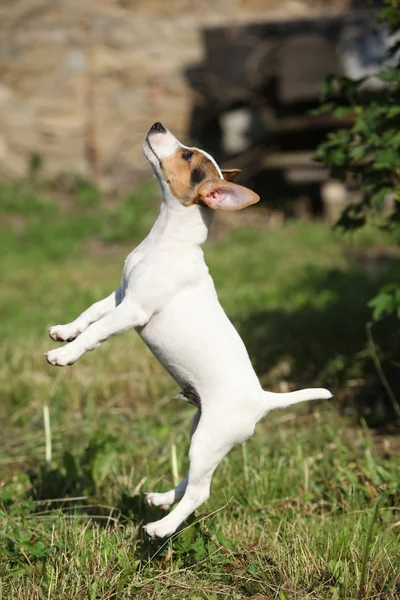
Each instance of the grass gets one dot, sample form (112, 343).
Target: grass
(308, 508)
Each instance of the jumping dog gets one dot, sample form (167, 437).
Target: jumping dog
(167, 295)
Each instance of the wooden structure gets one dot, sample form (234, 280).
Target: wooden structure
(257, 84)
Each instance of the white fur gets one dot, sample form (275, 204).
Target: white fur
(168, 296)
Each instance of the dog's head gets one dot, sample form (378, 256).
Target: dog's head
(192, 175)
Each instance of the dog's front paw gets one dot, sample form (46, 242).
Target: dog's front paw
(63, 333)
(61, 357)
(162, 500)
(160, 529)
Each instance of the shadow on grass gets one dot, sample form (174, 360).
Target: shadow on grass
(323, 341)
(56, 492)
(53, 495)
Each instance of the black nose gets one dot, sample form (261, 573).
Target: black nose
(158, 127)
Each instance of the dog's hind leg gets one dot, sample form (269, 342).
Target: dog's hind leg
(98, 310)
(165, 500)
(211, 442)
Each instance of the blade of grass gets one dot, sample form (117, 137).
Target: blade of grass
(367, 544)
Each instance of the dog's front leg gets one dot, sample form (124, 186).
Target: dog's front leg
(98, 310)
(125, 316)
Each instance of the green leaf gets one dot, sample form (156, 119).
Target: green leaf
(393, 111)
(391, 15)
(101, 464)
(335, 593)
(386, 302)
(37, 550)
(327, 86)
(385, 159)
(363, 125)
(328, 107)
(253, 568)
(352, 218)
(394, 141)
(199, 548)
(378, 198)
(385, 475)
(391, 74)
(342, 111)
(358, 152)
(338, 157)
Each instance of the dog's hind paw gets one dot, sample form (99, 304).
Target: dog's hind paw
(159, 529)
(162, 500)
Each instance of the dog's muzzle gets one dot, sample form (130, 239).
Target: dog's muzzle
(159, 143)
(157, 127)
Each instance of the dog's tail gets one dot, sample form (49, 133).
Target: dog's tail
(282, 400)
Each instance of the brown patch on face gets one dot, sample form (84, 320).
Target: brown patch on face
(185, 171)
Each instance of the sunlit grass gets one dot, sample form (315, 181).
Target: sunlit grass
(289, 511)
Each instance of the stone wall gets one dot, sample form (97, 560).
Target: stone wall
(81, 81)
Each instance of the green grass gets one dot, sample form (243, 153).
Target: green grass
(308, 508)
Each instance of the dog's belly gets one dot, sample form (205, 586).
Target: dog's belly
(198, 345)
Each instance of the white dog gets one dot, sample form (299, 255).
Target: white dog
(168, 296)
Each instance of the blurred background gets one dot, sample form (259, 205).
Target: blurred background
(80, 85)
(82, 81)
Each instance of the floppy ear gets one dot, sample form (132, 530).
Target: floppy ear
(224, 195)
(230, 174)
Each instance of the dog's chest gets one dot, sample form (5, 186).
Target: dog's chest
(131, 261)
(177, 334)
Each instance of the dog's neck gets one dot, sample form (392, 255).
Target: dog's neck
(184, 224)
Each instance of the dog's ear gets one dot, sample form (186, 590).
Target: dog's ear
(230, 174)
(225, 195)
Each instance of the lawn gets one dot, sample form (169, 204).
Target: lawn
(308, 508)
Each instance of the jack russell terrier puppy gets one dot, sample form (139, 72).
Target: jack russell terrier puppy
(167, 295)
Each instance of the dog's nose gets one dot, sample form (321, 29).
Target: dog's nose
(158, 127)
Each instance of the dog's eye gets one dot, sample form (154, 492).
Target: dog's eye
(187, 155)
